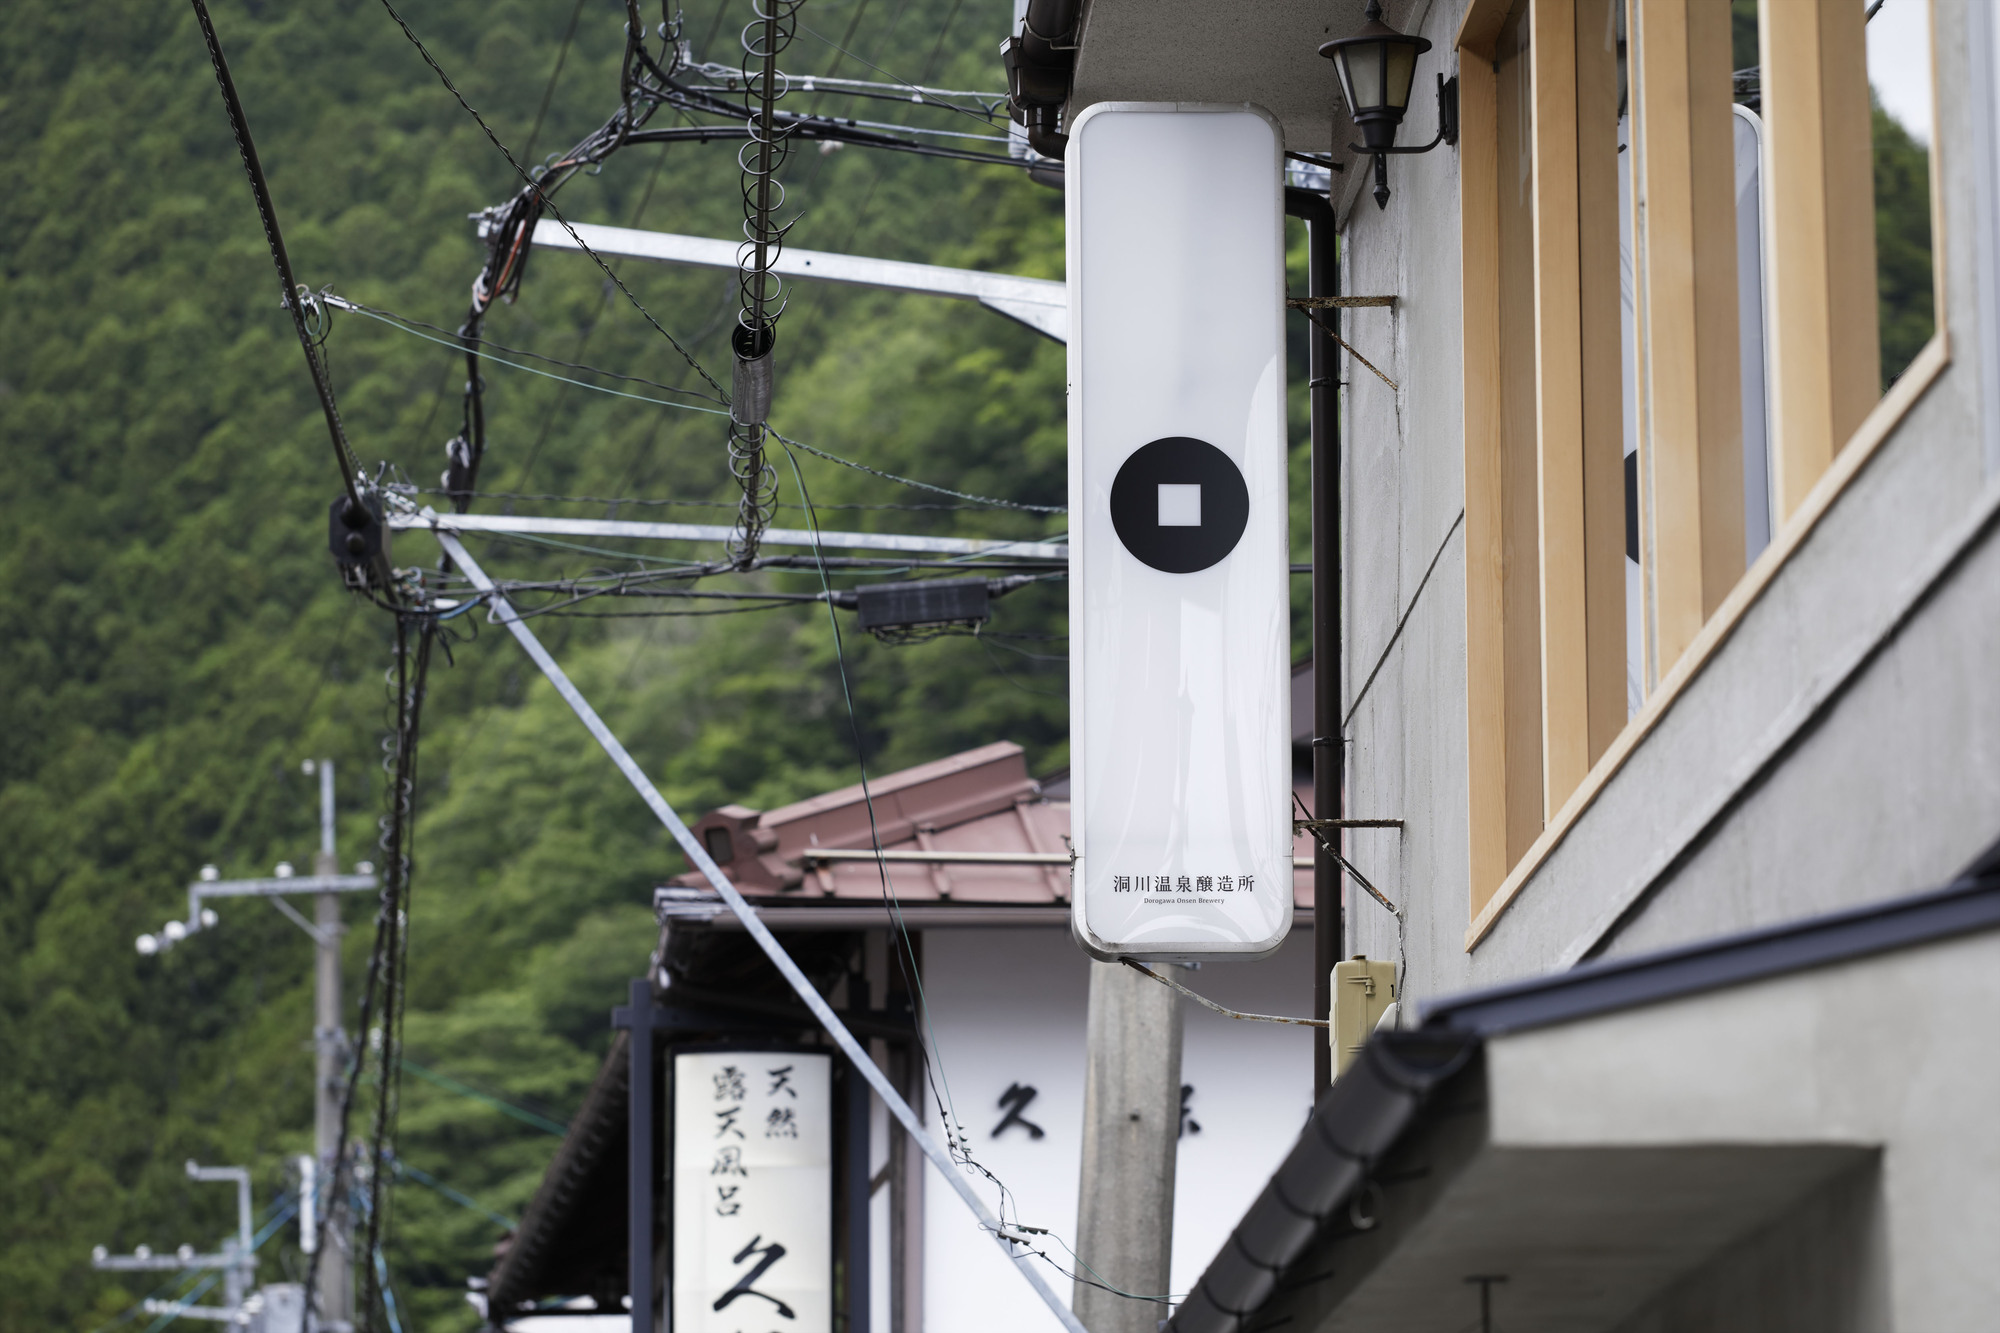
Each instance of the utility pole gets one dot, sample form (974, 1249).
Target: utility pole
(1131, 1128)
(326, 883)
(336, 1277)
(237, 1260)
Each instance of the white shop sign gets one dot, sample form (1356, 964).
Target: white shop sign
(753, 1192)
(1179, 598)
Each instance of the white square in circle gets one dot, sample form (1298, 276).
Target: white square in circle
(1179, 681)
(1180, 505)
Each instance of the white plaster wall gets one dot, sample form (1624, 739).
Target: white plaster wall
(1402, 500)
(1007, 1006)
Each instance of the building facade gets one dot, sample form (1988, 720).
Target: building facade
(1668, 485)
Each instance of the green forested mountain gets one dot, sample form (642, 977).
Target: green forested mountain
(176, 640)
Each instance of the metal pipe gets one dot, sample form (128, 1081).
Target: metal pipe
(1329, 924)
(536, 525)
(639, 1021)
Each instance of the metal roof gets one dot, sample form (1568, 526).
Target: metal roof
(980, 802)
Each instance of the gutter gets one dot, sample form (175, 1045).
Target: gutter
(1400, 1076)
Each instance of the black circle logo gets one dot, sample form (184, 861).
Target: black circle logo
(1179, 504)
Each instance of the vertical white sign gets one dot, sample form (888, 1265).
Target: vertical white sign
(753, 1192)
(1179, 599)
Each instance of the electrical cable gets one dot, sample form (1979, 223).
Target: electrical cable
(986, 646)
(381, 1272)
(403, 322)
(545, 201)
(379, 984)
(295, 296)
(549, 91)
(1207, 1003)
(581, 384)
(901, 83)
(642, 502)
(921, 485)
(403, 1168)
(395, 842)
(932, 1054)
(906, 957)
(992, 105)
(520, 1113)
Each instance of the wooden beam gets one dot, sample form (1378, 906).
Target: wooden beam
(1824, 346)
(1602, 368)
(1520, 557)
(1691, 442)
(1479, 35)
(1559, 403)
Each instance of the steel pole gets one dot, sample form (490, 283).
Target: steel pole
(639, 1019)
(336, 1280)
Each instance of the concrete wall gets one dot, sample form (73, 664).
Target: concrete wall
(1817, 1269)
(1892, 1052)
(1892, 789)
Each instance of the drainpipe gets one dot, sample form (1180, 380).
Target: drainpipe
(1329, 926)
(1041, 60)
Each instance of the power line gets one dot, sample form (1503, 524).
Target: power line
(543, 196)
(619, 501)
(403, 1168)
(520, 1113)
(923, 485)
(402, 323)
(562, 55)
(296, 297)
(457, 340)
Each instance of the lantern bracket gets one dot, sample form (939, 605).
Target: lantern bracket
(1447, 93)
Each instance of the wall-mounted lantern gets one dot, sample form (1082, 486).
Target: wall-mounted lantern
(1377, 67)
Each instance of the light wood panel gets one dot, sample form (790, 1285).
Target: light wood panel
(1823, 344)
(1519, 485)
(1485, 648)
(1559, 402)
(1691, 440)
(1598, 282)
(1875, 428)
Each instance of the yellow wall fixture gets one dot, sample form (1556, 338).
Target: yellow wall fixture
(1363, 990)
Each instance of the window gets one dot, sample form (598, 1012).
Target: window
(1695, 251)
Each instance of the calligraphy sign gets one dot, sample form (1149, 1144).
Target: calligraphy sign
(753, 1192)
(1179, 599)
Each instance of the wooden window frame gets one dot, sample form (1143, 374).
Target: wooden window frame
(1821, 379)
